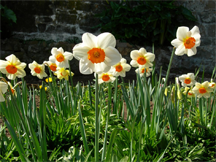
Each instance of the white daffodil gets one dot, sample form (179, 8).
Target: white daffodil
(202, 90)
(120, 68)
(141, 58)
(105, 77)
(186, 41)
(144, 70)
(96, 53)
(60, 57)
(52, 65)
(63, 73)
(187, 79)
(12, 67)
(37, 70)
(212, 85)
(3, 89)
(189, 92)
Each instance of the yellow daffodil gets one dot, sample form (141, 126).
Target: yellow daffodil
(63, 73)
(105, 77)
(12, 67)
(96, 53)
(120, 68)
(144, 70)
(189, 92)
(202, 90)
(60, 57)
(52, 65)
(187, 79)
(3, 89)
(186, 41)
(141, 58)
(37, 70)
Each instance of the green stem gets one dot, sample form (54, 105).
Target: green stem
(96, 121)
(169, 67)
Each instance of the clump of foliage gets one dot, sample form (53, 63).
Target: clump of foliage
(143, 22)
(8, 18)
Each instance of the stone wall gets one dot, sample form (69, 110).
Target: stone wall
(42, 25)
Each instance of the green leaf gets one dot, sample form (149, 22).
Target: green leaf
(187, 14)
(10, 15)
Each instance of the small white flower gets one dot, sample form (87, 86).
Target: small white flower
(60, 57)
(142, 70)
(63, 73)
(37, 70)
(12, 67)
(202, 90)
(189, 92)
(3, 89)
(212, 85)
(141, 58)
(187, 79)
(52, 65)
(120, 68)
(186, 41)
(105, 77)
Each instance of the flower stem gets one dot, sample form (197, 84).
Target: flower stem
(169, 67)
(96, 121)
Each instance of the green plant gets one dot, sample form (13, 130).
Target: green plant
(8, 17)
(143, 22)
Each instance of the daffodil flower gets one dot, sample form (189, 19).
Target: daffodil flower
(202, 90)
(96, 53)
(63, 73)
(120, 68)
(187, 79)
(12, 67)
(3, 89)
(141, 58)
(60, 57)
(189, 92)
(37, 70)
(48, 79)
(144, 70)
(52, 65)
(45, 88)
(212, 85)
(186, 41)
(105, 77)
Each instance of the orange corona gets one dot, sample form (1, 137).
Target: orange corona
(202, 90)
(189, 43)
(187, 81)
(11, 69)
(37, 70)
(96, 55)
(141, 60)
(119, 68)
(53, 67)
(105, 77)
(60, 57)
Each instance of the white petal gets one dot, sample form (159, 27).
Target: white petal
(150, 56)
(61, 50)
(20, 73)
(176, 42)
(11, 76)
(3, 87)
(86, 66)
(134, 63)
(89, 40)
(80, 50)
(2, 99)
(52, 59)
(191, 52)
(194, 30)
(68, 55)
(123, 60)
(105, 40)
(182, 33)
(180, 50)
(134, 54)
(126, 67)
(54, 51)
(112, 56)
(142, 50)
